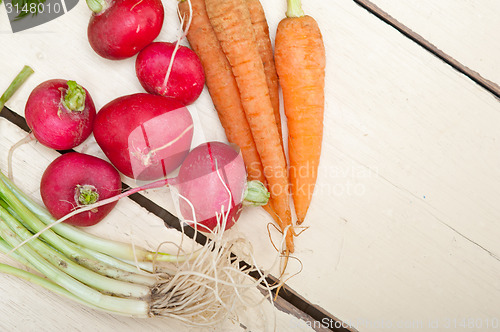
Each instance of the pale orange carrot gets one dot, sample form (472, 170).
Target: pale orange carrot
(264, 44)
(300, 63)
(221, 85)
(231, 22)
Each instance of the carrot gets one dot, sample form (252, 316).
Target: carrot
(261, 32)
(231, 22)
(300, 63)
(221, 85)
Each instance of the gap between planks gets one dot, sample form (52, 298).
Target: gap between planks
(288, 301)
(488, 85)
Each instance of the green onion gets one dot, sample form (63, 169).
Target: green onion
(35, 279)
(124, 305)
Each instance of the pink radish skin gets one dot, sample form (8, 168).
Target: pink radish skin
(144, 136)
(205, 188)
(186, 78)
(56, 123)
(119, 29)
(71, 172)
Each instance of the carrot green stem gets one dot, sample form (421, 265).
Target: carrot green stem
(16, 83)
(294, 9)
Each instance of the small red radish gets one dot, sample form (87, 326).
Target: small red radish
(212, 183)
(74, 180)
(60, 114)
(182, 80)
(144, 136)
(119, 29)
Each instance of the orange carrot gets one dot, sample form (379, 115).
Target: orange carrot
(221, 85)
(261, 32)
(300, 63)
(231, 22)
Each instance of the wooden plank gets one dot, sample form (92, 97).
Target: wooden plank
(463, 33)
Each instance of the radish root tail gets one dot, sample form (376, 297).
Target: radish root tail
(30, 137)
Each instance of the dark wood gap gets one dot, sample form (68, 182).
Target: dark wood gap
(288, 300)
(488, 85)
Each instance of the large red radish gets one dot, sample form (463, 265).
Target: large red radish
(144, 136)
(119, 29)
(74, 180)
(164, 70)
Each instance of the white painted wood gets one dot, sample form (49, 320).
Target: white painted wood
(464, 29)
(403, 227)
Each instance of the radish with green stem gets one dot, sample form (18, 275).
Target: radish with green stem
(60, 114)
(200, 170)
(119, 29)
(75, 179)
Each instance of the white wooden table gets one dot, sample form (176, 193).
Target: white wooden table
(404, 226)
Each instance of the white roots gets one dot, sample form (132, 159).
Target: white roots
(209, 288)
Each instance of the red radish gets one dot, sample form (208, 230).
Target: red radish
(212, 183)
(119, 29)
(75, 180)
(182, 80)
(144, 136)
(60, 114)
(220, 171)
